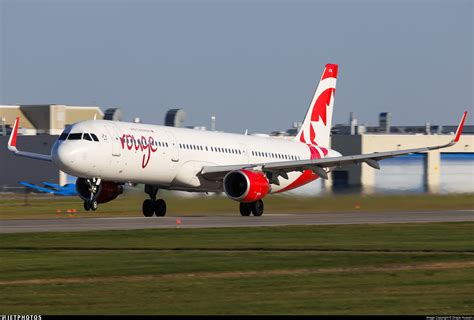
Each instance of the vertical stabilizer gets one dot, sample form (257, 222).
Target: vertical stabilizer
(316, 126)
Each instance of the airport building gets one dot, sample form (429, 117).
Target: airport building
(444, 171)
(45, 119)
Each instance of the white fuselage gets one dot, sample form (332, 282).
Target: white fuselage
(171, 158)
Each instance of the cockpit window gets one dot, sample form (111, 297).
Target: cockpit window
(65, 133)
(94, 137)
(75, 136)
(63, 136)
(78, 136)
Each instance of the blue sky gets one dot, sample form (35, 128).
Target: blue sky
(252, 64)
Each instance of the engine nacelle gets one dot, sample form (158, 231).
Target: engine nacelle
(106, 191)
(245, 185)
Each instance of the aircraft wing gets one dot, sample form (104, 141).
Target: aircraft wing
(317, 165)
(52, 185)
(38, 188)
(61, 191)
(66, 190)
(66, 193)
(12, 146)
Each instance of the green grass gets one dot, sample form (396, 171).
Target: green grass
(344, 269)
(45, 207)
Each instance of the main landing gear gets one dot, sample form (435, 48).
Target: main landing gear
(152, 206)
(256, 208)
(91, 203)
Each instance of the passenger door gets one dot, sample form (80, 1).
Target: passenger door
(174, 147)
(114, 135)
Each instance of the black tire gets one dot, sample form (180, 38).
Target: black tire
(148, 208)
(160, 208)
(87, 205)
(94, 205)
(257, 208)
(245, 209)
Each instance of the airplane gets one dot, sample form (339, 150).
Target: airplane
(105, 155)
(66, 190)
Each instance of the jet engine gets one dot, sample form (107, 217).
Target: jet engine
(105, 192)
(245, 185)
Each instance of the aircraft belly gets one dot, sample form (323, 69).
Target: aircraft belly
(295, 179)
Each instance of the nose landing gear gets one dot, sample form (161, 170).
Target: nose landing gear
(152, 206)
(91, 203)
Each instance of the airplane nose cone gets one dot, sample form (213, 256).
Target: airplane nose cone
(64, 155)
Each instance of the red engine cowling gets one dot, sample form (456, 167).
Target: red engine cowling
(107, 190)
(246, 185)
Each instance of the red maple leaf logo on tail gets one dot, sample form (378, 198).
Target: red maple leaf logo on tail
(321, 104)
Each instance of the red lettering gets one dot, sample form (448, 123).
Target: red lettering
(147, 146)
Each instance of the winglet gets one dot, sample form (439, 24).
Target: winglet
(14, 133)
(461, 125)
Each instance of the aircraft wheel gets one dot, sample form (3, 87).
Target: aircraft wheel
(148, 208)
(87, 205)
(245, 209)
(160, 208)
(94, 205)
(257, 208)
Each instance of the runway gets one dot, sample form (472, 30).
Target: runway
(217, 221)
